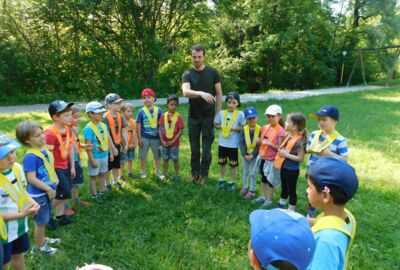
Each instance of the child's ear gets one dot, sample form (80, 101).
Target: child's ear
(326, 196)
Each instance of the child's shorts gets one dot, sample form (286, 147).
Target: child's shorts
(44, 213)
(17, 246)
(101, 168)
(154, 144)
(129, 155)
(64, 186)
(225, 153)
(273, 175)
(168, 153)
(116, 163)
(78, 180)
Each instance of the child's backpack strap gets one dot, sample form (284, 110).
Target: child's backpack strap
(323, 222)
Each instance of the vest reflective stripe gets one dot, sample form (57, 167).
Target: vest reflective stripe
(152, 118)
(169, 130)
(76, 143)
(287, 144)
(262, 152)
(3, 229)
(131, 135)
(48, 164)
(64, 147)
(251, 145)
(18, 196)
(116, 135)
(323, 222)
(228, 125)
(316, 146)
(102, 139)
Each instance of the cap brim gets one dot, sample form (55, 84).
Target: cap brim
(67, 106)
(317, 114)
(4, 150)
(251, 116)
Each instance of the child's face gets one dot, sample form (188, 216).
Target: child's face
(36, 139)
(148, 101)
(96, 116)
(114, 107)
(273, 119)
(128, 113)
(64, 119)
(8, 161)
(172, 106)
(289, 126)
(314, 197)
(326, 123)
(76, 119)
(232, 104)
(252, 121)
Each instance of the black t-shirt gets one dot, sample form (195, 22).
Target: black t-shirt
(201, 81)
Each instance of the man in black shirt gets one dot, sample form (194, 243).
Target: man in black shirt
(202, 85)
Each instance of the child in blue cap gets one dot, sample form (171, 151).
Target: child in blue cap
(249, 144)
(331, 184)
(280, 239)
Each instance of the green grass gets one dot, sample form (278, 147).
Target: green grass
(154, 225)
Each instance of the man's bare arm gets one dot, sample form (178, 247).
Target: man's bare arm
(187, 92)
(218, 96)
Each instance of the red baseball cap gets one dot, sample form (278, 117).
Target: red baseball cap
(148, 92)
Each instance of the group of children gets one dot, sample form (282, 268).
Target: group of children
(53, 162)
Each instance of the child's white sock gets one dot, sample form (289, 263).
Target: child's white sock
(282, 201)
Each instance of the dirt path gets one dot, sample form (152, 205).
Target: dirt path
(244, 98)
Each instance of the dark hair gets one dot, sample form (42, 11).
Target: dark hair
(25, 129)
(199, 48)
(338, 194)
(299, 120)
(172, 97)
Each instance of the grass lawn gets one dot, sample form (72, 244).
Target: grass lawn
(154, 225)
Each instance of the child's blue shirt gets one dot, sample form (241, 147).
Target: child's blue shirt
(146, 130)
(88, 133)
(233, 140)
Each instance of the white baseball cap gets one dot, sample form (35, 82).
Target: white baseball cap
(273, 110)
(95, 107)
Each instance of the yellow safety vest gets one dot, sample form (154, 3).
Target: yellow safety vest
(316, 146)
(48, 164)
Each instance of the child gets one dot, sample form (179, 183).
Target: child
(58, 139)
(171, 127)
(331, 184)
(96, 134)
(76, 143)
(249, 144)
(230, 122)
(116, 125)
(272, 247)
(326, 141)
(271, 138)
(42, 179)
(147, 132)
(290, 155)
(15, 205)
(127, 110)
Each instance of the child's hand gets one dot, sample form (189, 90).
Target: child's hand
(111, 158)
(283, 153)
(249, 157)
(167, 144)
(140, 143)
(87, 146)
(115, 152)
(124, 149)
(326, 152)
(94, 163)
(258, 140)
(73, 173)
(32, 209)
(51, 193)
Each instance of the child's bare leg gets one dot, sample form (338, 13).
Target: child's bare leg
(165, 166)
(176, 167)
(129, 166)
(39, 235)
(264, 190)
(92, 185)
(270, 193)
(143, 165)
(157, 164)
(102, 182)
(233, 173)
(115, 173)
(60, 208)
(121, 170)
(107, 178)
(17, 261)
(222, 171)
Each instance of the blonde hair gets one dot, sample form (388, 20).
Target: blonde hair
(75, 109)
(125, 106)
(25, 130)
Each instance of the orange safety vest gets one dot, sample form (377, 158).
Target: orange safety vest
(116, 135)
(63, 146)
(131, 135)
(262, 152)
(76, 143)
(289, 143)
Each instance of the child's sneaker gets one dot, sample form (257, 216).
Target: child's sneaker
(249, 195)
(267, 203)
(131, 175)
(45, 249)
(243, 192)
(97, 199)
(143, 175)
(231, 187)
(161, 176)
(52, 225)
(221, 184)
(53, 241)
(176, 178)
(65, 220)
(281, 206)
(260, 199)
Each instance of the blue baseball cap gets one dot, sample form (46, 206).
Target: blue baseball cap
(327, 110)
(250, 112)
(233, 95)
(113, 98)
(57, 106)
(7, 144)
(333, 171)
(281, 235)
